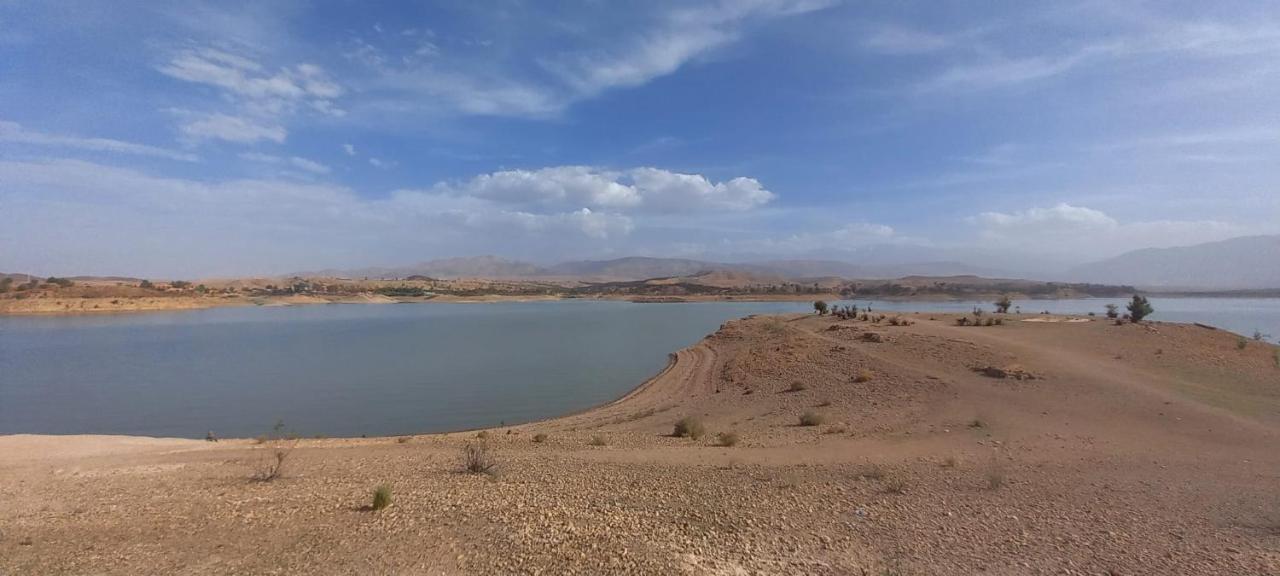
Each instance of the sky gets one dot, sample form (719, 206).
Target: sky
(190, 139)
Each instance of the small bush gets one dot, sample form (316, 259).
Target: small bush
(689, 427)
(727, 439)
(1139, 308)
(797, 386)
(812, 418)
(381, 497)
(1241, 343)
(996, 475)
(824, 403)
(895, 485)
(271, 466)
(402, 440)
(977, 423)
(951, 461)
(539, 438)
(962, 321)
(598, 441)
(483, 435)
(873, 473)
(820, 307)
(863, 376)
(477, 459)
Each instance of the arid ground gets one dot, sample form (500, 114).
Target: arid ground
(1047, 447)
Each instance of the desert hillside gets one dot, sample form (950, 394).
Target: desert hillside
(907, 445)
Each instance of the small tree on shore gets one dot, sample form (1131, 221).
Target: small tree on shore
(820, 307)
(1113, 311)
(1139, 308)
(1003, 304)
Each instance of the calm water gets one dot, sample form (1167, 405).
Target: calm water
(347, 370)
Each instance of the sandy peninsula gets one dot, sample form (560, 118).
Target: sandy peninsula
(822, 446)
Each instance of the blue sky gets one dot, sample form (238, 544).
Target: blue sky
(199, 139)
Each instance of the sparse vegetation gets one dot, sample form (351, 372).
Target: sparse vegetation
(271, 466)
(598, 441)
(820, 307)
(1003, 304)
(1139, 308)
(482, 435)
(689, 427)
(863, 376)
(962, 321)
(996, 474)
(1113, 311)
(797, 386)
(1258, 336)
(381, 497)
(977, 423)
(895, 485)
(478, 459)
(727, 439)
(811, 418)
(539, 438)
(872, 472)
(1241, 343)
(951, 461)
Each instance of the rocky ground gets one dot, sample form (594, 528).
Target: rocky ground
(1026, 448)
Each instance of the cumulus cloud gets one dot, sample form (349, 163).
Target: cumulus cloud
(638, 189)
(73, 216)
(350, 149)
(1087, 233)
(15, 133)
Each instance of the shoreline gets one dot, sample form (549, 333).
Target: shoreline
(822, 446)
(67, 307)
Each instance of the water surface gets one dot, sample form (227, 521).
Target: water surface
(348, 370)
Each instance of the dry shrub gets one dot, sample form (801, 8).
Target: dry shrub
(539, 438)
(598, 441)
(996, 474)
(478, 459)
(482, 435)
(811, 418)
(271, 466)
(689, 427)
(381, 497)
(951, 461)
(895, 484)
(797, 386)
(727, 439)
(863, 376)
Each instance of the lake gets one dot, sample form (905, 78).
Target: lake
(350, 370)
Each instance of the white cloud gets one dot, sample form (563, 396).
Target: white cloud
(901, 40)
(232, 129)
(635, 190)
(261, 98)
(380, 163)
(293, 161)
(350, 149)
(15, 133)
(1087, 233)
(81, 217)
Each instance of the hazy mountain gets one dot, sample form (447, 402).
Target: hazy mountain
(635, 268)
(464, 267)
(1238, 263)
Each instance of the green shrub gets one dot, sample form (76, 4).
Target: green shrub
(820, 307)
(381, 497)
(689, 427)
(1139, 308)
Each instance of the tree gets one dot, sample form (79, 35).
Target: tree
(180, 284)
(1113, 311)
(146, 284)
(1139, 308)
(5, 284)
(1003, 304)
(821, 307)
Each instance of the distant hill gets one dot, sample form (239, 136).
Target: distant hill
(1249, 262)
(643, 268)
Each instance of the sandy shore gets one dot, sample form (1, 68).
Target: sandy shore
(1104, 450)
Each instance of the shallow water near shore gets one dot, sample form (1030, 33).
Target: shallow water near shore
(351, 370)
